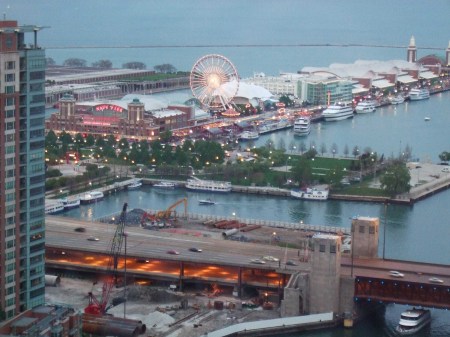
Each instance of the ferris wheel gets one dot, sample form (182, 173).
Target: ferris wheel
(214, 81)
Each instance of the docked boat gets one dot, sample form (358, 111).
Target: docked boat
(196, 184)
(91, 197)
(399, 99)
(272, 125)
(206, 202)
(413, 320)
(338, 111)
(70, 203)
(136, 184)
(248, 135)
(417, 94)
(310, 194)
(54, 207)
(302, 126)
(164, 185)
(365, 107)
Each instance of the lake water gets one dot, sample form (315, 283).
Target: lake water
(269, 36)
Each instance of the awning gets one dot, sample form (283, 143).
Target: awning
(427, 75)
(405, 79)
(381, 84)
(359, 90)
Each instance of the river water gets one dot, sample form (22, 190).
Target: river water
(180, 32)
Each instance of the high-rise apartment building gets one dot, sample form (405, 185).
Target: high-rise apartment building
(22, 169)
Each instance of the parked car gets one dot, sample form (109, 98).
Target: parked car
(257, 261)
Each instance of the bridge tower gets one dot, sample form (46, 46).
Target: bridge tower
(325, 273)
(365, 233)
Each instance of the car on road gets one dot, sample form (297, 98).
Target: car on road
(291, 263)
(395, 273)
(173, 252)
(80, 229)
(257, 261)
(270, 258)
(446, 169)
(435, 280)
(142, 261)
(93, 238)
(195, 250)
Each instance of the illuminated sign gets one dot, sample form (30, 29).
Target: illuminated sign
(111, 107)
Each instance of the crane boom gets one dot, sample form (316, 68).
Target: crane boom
(99, 306)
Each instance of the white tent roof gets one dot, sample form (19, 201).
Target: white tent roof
(406, 79)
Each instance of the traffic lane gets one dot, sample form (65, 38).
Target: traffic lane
(145, 243)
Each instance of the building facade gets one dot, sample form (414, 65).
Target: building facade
(22, 174)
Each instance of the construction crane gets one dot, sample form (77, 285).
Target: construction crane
(99, 306)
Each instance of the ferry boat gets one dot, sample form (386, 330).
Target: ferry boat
(91, 197)
(302, 126)
(274, 125)
(196, 184)
(399, 99)
(417, 94)
(248, 135)
(310, 194)
(413, 320)
(164, 185)
(338, 111)
(70, 203)
(365, 107)
(136, 184)
(54, 207)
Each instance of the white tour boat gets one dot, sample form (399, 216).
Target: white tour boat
(164, 185)
(310, 194)
(302, 126)
(274, 125)
(70, 203)
(248, 135)
(338, 111)
(90, 197)
(399, 99)
(136, 184)
(196, 184)
(413, 320)
(54, 207)
(417, 94)
(365, 107)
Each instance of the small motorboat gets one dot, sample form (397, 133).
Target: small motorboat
(426, 119)
(136, 184)
(206, 202)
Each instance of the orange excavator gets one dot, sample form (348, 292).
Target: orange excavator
(166, 214)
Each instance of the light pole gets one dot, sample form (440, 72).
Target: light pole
(384, 228)
(125, 278)
(272, 236)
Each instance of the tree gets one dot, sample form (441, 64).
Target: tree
(102, 64)
(302, 171)
(396, 179)
(323, 149)
(165, 68)
(49, 61)
(286, 100)
(134, 65)
(74, 62)
(355, 151)
(346, 150)
(444, 156)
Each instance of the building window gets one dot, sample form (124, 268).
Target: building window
(10, 77)
(37, 75)
(372, 230)
(10, 65)
(362, 229)
(10, 113)
(322, 248)
(333, 249)
(10, 89)
(10, 101)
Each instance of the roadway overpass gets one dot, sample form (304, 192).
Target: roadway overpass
(356, 278)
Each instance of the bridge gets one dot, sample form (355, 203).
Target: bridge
(327, 280)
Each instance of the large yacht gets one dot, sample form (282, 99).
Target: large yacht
(302, 126)
(91, 197)
(365, 107)
(196, 184)
(274, 125)
(338, 111)
(417, 94)
(413, 320)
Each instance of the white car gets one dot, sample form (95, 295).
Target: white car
(445, 169)
(257, 261)
(435, 280)
(395, 273)
(270, 258)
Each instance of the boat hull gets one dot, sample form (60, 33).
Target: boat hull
(310, 194)
(419, 319)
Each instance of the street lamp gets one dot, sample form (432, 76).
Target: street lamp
(272, 236)
(384, 228)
